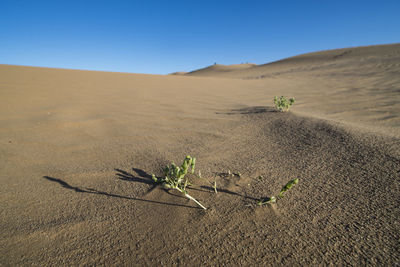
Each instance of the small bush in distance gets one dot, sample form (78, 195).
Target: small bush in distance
(283, 104)
(175, 177)
(273, 199)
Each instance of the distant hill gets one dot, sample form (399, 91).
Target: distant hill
(219, 68)
(178, 73)
(358, 57)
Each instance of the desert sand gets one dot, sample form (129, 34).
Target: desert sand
(77, 149)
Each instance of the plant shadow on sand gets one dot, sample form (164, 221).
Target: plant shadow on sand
(146, 178)
(249, 110)
(123, 176)
(210, 189)
(143, 177)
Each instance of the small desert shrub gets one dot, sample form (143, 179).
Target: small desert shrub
(283, 104)
(273, 199)
(175, 177)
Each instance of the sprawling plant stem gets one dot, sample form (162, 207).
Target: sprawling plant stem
(175, 177)
(190, 197)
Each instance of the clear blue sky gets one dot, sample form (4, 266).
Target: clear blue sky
(147, 36)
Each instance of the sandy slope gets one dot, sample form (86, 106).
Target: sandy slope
(220, 70)
(77, 149)
(358, 85)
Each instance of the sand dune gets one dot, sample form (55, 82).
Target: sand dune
(357, 85)
(78, 148)
(178, 73)
(218, 69)
(359, 60)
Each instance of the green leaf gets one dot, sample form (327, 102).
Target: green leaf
(193, 165)
(288, 186)
(185, 165)
(166, 186)
(166, 170)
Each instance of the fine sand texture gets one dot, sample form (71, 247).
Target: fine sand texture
(78, 148)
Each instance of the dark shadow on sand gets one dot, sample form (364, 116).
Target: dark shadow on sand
(211, 190)
(249, 110)
(98, 192)
(142, 177)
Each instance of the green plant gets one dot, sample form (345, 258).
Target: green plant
(175, 177)
(283, 104)
(273, 199)
(287, 186)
